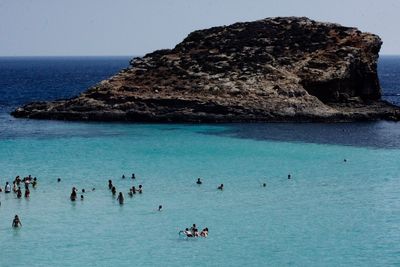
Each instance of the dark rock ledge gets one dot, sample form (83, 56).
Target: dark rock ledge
(276, 69)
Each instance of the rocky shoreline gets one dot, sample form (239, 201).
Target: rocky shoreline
(276, 69)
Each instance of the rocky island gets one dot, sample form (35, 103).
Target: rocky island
(275, 69)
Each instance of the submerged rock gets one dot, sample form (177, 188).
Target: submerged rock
(275, 69)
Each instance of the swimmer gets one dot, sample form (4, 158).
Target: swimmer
(82, 197)
(130, 192)
(123, 176)
(221, 187)
(264, 185)
(83, 190)
(140, 189)
(159, 207)
(289, 176)
(193, 228)
(58, 180)
(133, 190)
(196, 232)
(133, 176)
(73, 194)
(188, 233)
(19, 192)
(120, 198)
(113, 190)
(16, 222)
(7, 188)
(110, 185)
(34, 183)
(204, 232)
(93, 189)
(27, 192)
(198, 181)
(345, 160)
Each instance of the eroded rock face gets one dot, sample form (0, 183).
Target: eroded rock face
(276, 69)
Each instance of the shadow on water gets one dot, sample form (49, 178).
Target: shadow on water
(31, 79)
(369, 134)
(12, 128)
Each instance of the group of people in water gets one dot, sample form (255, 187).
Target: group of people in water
(194, 232)
(16, 189)
(29, 180)
(132, 191)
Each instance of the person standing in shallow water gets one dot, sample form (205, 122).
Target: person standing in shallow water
(221, 187)
(17, 180)
(120, 198)
(73, 194)
(27, 192)
(113, 190)
(16, 222)
(19, 192)
(110, 185)
(7, 188)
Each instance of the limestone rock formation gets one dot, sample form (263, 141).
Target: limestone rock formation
(275, 69)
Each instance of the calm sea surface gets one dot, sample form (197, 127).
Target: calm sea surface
(331, 213)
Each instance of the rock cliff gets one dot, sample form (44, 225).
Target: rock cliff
(275, 69)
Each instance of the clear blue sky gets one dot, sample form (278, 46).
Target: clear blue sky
(130, 27)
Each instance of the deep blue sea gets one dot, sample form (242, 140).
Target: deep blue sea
(331, 213)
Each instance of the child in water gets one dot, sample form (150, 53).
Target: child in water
(130, 192)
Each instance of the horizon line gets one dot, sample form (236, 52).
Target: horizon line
(21, 56)
(3, 56)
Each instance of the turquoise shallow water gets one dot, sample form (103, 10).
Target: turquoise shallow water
(332, 213)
